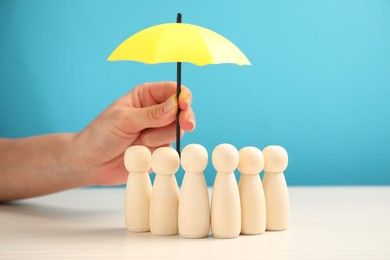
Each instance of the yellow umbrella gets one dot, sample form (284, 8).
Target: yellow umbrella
(179, 42)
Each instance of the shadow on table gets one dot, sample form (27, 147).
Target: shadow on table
(51, 222)
(30, 209)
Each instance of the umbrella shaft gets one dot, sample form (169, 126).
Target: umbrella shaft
(178, 108)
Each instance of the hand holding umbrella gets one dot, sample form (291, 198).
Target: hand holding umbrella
(178, 42)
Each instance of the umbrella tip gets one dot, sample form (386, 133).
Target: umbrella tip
(178, 20)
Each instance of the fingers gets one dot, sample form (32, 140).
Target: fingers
(156, 92)
(153, 116)
(187, 116)
(187, 120)
(153, 93)
(185, 99)
(157, 137)
(151, 107)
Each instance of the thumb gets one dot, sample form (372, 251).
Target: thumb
(155, 116)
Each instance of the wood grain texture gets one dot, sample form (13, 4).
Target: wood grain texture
(325, 223)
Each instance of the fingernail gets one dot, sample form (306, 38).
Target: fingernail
(191, 119)
(170, 104)
(187, 98)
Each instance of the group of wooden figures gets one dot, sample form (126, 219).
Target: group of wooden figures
(251, 207)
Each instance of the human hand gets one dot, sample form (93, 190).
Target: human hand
(146, 116)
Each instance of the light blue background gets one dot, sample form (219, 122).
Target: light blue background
(319, 84)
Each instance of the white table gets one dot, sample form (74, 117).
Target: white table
(326, 223)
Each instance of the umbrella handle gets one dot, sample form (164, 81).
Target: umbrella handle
(178, 90)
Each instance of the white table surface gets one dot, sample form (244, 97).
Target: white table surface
(326, 223)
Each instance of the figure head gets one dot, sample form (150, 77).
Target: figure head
(137, 158)
(275, 159)
(251, 160)
(194, 158)
(225, 158)
(165, 161)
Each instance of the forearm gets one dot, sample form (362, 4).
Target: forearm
(40, 165)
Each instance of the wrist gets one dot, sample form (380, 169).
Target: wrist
(74, 160)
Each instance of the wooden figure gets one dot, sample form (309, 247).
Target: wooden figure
(225, 202)
(275, 187)
(137, 160)
(253, 208)
(165, 192)
(194, 207)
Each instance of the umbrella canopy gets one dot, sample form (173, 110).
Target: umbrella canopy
(179, 42)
